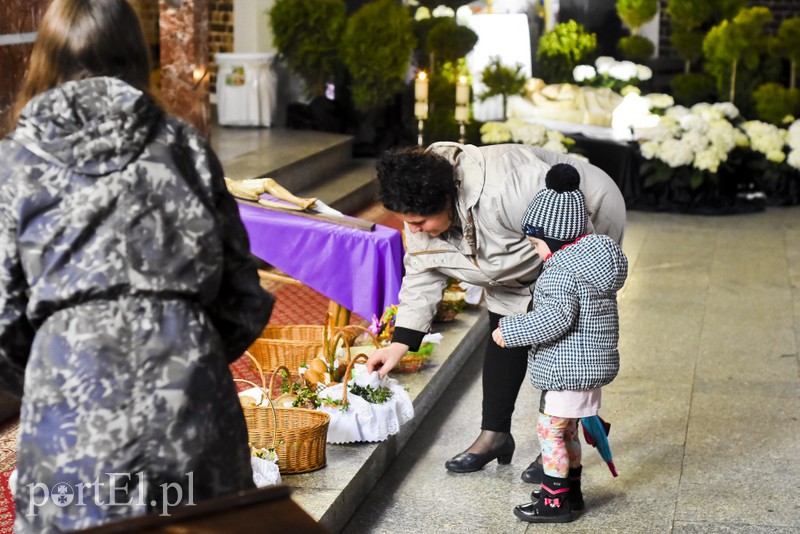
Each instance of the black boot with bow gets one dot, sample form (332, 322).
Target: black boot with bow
(553, 505)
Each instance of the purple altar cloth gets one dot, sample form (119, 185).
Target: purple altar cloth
(359, 270)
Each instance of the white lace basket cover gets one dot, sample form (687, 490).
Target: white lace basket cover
(364, 421)
(265, 472)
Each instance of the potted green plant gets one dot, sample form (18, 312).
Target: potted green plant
(503, 81)
(376, 47)
(562, 48)
(787, 44)
(634, 14)
(307, 36)
(740, 40)
(448, 41)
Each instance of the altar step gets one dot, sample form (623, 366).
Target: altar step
(308, 163)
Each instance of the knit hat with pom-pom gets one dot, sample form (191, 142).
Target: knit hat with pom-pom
(557, 214)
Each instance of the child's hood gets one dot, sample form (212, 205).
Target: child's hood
(595, 258)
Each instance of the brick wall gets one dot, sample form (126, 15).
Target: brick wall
(220, 34)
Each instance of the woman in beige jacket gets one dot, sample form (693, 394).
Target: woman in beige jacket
(462, 206)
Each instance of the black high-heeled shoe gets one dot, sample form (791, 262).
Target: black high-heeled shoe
(467, 462)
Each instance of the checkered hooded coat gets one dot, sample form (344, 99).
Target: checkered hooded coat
(573, 328)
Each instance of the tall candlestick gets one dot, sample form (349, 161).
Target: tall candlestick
(462, 99)
(421, 96)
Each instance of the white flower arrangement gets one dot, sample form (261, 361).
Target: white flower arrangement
(608, 72)
(702, 137)
(659, 101)
(767, 139)
(528, 133)
(689, 146)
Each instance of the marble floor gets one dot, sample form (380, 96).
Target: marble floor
(705, 412)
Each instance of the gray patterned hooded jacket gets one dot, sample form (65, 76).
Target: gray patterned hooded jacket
(126, 289)
(573, 328)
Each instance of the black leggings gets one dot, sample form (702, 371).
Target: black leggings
(503, 372)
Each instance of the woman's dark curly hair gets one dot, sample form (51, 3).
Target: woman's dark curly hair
(413, 180)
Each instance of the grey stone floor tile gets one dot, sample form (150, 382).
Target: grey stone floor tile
(738, 499)
(684, 527)
(704, 412)
(658, 416)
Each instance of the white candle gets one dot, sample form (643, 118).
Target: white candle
(462, 100)
(421, 96)
(462, 92)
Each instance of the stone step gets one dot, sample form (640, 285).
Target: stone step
(332, 495)
(348, 190)
(297, 159)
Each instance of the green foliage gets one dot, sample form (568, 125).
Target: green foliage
(751, 24)
(636, 48)
(376, 48)
(774, 102)
(727, 9)
(635, 13)
(449, 41)
(788, 38)
(421, 30)
(741, 39)
(691, 88)
(563, 48)
(307, 36)
(787, 44)
(688, 14)
(502, 80)
(688, 44)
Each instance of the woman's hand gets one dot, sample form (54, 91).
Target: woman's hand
(383, 360)
(497, 335)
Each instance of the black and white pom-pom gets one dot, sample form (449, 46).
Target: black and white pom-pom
(562, 177)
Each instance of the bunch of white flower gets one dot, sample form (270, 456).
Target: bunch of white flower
(443, 11)
(608, 68)
(519, 131)
(659, 101)
(793, 141)
(495, 132)
(701, 136)
(767, 139)
(423, 12)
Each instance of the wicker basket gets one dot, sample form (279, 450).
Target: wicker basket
(290, 346)
(410, 363)
(413, 361)
(297, 435)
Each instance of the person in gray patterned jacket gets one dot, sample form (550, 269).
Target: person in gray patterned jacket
(126, 286)
(573, 331)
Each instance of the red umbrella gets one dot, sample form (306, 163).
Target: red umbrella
(595, 432)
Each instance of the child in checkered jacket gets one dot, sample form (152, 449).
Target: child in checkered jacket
(573, 330)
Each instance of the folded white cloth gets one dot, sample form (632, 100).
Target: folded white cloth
(265, 472)
(365, 421)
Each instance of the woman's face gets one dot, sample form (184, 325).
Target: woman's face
(432, 224)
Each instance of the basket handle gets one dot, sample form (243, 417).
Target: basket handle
(359, 328)
(260, 371)
(265, 394)
(347, 375)
(274, 373)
